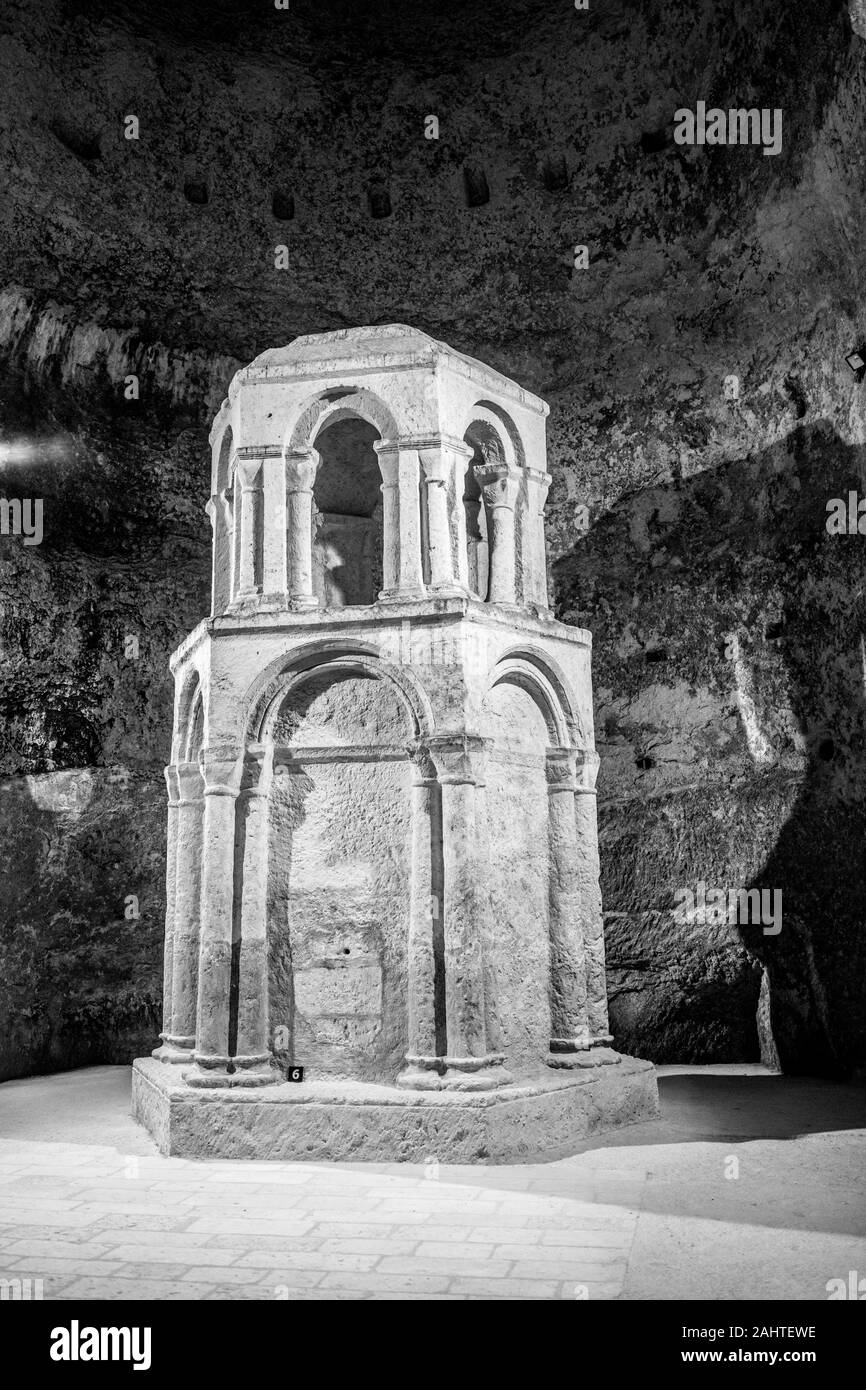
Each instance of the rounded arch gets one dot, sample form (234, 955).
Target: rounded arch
(491, 428)
(195, 735)
(221, 511)
(545, 684)
(348, 508)
(284, 675)
(188, 701)
(342, 403)
(222, 457)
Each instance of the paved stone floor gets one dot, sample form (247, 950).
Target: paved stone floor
(749, 1186)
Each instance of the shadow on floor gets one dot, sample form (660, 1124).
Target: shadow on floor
(698, 1105)
(711, 1108)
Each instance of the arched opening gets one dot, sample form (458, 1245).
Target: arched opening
(222, 546)
(477, 544)
(487, 446)
(195, 741)
(339, 870)
(347, 515)
(516, 720)
(189, 720)
(500, 531)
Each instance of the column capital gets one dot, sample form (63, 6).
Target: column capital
(438, 468)
(249, 468)
(302, 466)
(459, 757)
(561, 769)
(225, 501)
(171, 783)
(190, 784)
(423, 765)
(222, 768)
(587, 771)
(438, 454)
(388, 453)
(258, 768)
(499, 483)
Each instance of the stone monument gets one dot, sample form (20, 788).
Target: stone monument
(383, 930)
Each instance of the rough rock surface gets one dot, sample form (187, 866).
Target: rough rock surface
(677, 519)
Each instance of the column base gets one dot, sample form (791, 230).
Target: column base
(174, 1050)
(407, 595)
(449, 590)
(274, 602)
(209, 1073)
(243, 602)
(303, 603)
(581, 1042)
(588, 1057)
(454, 1073)
(540, 1117)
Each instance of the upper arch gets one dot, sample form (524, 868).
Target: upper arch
(339, 404)
(284, 674)
(188, 699)
(542, 680)
(223, 450)
(488, 421)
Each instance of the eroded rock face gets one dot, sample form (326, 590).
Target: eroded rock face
(729, 667)
(678, 518)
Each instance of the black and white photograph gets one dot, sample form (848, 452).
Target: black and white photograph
(433, 668)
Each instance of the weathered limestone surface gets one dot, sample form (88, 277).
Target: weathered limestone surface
(702, 263)
(347, 1121)
(386, 805)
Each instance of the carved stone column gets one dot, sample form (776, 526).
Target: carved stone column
(492, 1021)
(274, 541)
(471, 540)
(190, 812)
(443, 461)
(469, 1062)
(459, 455)
(438, 470)
(252, 1057)
(249, 570)
(425, 920)
(534, 548)
(214, 511)
(165, 1052)
(590, 897)
(569, 1029)
(235, 494)
(500, 486)
(221, 768)
(403, 577)
(301, 469)
(390, 521)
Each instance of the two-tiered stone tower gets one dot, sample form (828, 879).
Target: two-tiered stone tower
(382, 845)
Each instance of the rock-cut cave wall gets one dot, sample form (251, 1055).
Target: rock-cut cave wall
(686, 529)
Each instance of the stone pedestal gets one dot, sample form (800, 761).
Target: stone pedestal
(333, 1121)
